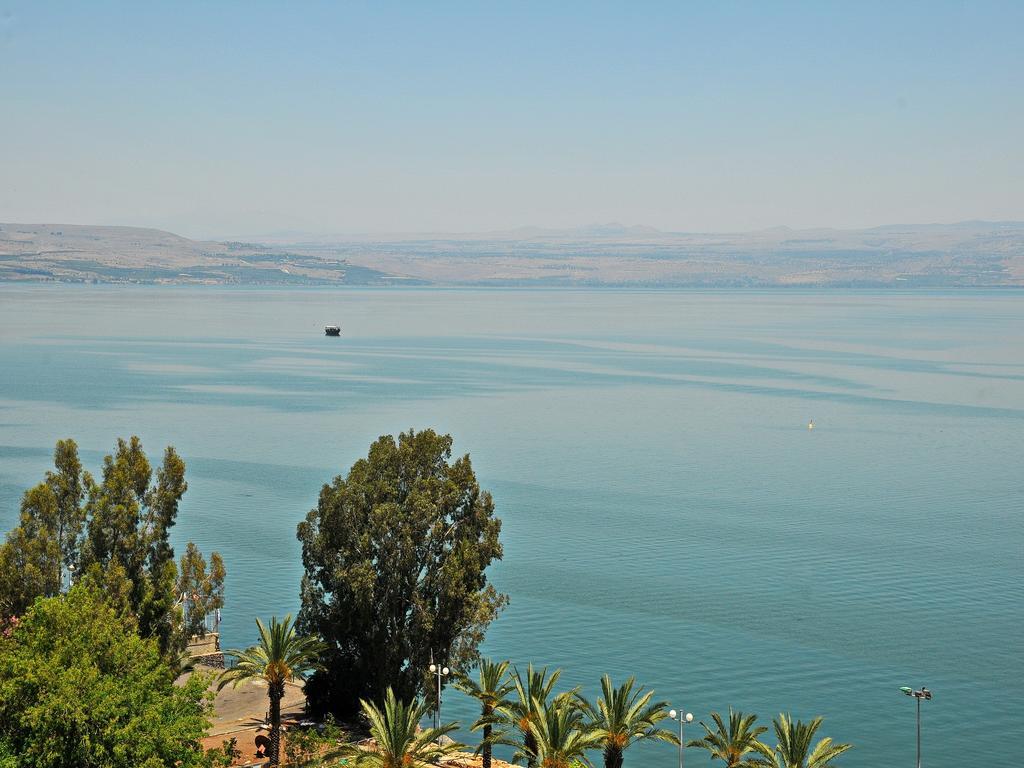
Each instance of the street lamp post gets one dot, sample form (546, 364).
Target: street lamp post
(438, 673)
(925, 694)
(682, 719)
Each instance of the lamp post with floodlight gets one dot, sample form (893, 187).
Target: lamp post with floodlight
(682, 718)
(438, 672)
(925, 694)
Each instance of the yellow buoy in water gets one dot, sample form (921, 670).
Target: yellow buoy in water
(810, 424)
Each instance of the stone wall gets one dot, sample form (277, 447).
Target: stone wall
(203, 645)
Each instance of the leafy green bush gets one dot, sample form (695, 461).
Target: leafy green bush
(79, 686)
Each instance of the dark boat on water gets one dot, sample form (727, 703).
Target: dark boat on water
(332, 330)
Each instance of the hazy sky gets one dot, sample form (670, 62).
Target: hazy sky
(215, 119)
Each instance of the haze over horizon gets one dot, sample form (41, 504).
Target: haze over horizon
(246, 119)
(593, 228)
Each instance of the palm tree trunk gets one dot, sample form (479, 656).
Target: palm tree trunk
(530, 742)
(612, 756)
(486, 751)
(276, 693)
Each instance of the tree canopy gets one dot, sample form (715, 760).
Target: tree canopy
(203, 589)
(45, 543)
(113, 533)
(78, 686)
(395, 558)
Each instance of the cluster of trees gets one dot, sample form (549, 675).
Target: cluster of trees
(113, 534)
(395, 557)
(94, 615)
(549, 730)
(520, 710)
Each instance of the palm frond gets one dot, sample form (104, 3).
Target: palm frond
(399, 742)
(794, 749)
(280, 655)
(626, 714)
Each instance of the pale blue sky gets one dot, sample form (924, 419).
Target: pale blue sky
(216, 119)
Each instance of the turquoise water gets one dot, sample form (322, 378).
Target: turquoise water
(666, 511)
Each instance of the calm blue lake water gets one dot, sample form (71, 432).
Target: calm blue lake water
(666, 511)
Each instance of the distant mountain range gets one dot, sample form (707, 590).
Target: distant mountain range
(98, 254)
(969, 253)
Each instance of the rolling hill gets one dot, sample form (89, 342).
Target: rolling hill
(971, 253)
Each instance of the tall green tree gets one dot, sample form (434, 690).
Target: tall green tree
(395, 556)
(561, 735)
(129, 522)
(399, 742)
(736, 744)
(79, 687)
(202, 588)
(29, 567)
(114, 533)
(39, 553)
(794, 748)
(490, 688)
(625, 715)
(68, 484)
(280, 656)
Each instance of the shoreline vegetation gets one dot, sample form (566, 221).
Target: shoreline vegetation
(96, 614)
(961, 255)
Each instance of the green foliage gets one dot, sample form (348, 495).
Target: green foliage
(561, 735)
(114, 532)
(490, 689)
(399, 742)
(79, 687)
(203, 591)
(735, 744)
(68, 486)
(7, 758)
(309, 747)
(519, 713)
(46, 540)
(29, 567)
(395, 558)
(624, 716)
(226, 756)
(556, 730)
(280, 656)
(794, 749)
(129, 519)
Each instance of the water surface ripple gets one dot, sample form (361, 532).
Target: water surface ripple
(667, 513)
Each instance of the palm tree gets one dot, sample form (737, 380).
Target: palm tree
(561, 735)
(400, 743)
(280, 656)
(624, 716)
(794, 746)
(734, 743)
(520, 712)
(490, 689)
